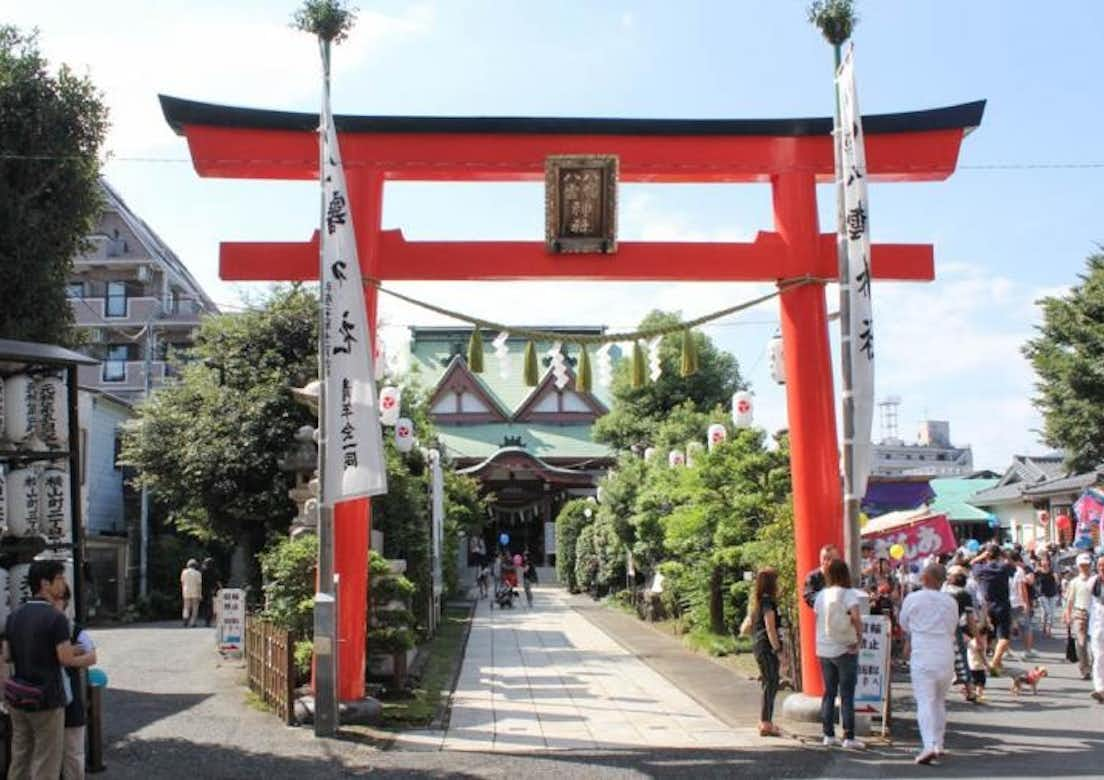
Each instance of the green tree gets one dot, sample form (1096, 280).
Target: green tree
(569, 524)
(637, 412)
(1068, 357)
(207, 445)
(52, 127)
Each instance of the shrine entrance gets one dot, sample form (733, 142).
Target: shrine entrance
(793, 155)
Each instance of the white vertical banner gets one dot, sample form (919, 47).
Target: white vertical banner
(355, 463)
(857, 235)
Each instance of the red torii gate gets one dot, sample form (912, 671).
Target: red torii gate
(793, 155)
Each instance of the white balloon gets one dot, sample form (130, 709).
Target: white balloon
(404, 434)
(390, 402)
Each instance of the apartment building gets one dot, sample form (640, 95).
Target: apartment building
(136, 300)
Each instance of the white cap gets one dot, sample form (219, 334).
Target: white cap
(1084, 559)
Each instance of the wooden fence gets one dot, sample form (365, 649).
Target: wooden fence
(270, 665)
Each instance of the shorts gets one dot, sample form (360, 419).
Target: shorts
(977, 677)
(1000, 618)
(1021, 620)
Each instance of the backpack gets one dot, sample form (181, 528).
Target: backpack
(837, 618)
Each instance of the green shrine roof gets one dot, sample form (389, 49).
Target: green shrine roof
(432, 349)
(952, 493)
(543, 441)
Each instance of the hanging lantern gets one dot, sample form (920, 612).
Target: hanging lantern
(24, 502)
(475, 351)
(19, 591)
(20, 408)
(693, 449)
(1, 407)
(742, 409)
(649, 453)
(53, 413)
(776, 358)
(5, 596)
(675, 458)
(716, 434)
(390, 401)
(379, 359)
(404, 434)
(57, 524)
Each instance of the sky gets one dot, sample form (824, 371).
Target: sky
(1012, 225)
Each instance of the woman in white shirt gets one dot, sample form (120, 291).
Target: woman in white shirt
(839, 627)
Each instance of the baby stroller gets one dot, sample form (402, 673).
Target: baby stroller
(506, 590)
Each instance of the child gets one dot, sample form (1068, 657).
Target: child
(975, 659)
(483, 579)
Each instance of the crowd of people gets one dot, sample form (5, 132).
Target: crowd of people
(501, 575)
(953, 619)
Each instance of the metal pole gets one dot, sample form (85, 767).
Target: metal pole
(325, 611)
(143, 532)
(80, 601)
(851, 548)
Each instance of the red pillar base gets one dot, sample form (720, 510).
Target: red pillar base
(352, 521)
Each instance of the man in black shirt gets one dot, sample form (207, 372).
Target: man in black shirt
(211, 584)
(815, 580)
(38, 646)
(993, 572)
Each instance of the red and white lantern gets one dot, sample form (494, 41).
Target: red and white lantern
(404, 434)
(675, 458)
(649, 453)
(390, 401)
(742, 409)
(716, 434)
(379, 364)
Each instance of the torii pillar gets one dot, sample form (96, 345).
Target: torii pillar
(793, 155)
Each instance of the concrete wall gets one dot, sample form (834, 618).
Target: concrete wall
(104, 481)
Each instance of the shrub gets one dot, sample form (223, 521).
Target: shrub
(289, 567)
(586, 561)
(570, 521)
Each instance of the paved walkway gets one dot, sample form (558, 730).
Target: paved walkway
(546, 678)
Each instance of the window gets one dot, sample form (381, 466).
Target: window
(74, 290)
(115, 305)
(114, 364)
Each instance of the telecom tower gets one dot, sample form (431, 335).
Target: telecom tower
(888, 409)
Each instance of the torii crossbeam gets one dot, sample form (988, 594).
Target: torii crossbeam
(793, 155)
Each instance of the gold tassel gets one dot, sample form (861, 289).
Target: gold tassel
(639, 366)
(475, 351)
(583, 381)
(530, 372)
(689, 353)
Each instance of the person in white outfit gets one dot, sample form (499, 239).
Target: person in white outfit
(931, 617)
(1096, 631)
(191, 591)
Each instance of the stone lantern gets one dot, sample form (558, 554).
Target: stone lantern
(301, 460)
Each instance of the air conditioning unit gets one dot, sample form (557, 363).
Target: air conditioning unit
(143, 273)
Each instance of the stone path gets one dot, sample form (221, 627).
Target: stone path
(546, 678)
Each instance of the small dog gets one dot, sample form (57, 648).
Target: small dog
(1029, 678)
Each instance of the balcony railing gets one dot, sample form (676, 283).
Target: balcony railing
(137, 311)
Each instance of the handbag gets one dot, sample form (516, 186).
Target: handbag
(24, 695)
(1071, 647)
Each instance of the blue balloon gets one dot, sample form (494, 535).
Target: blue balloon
(993, 522)
(504, 538)
(973, 545)
(97, 677)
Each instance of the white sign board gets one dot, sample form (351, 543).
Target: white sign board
(231, 620)
(872, 685)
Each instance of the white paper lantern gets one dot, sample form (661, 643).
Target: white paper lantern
(404, 434)
(5, 602)
(19, 592)
(53, 413)
(675, 458)
(742, 409)
(24, 502)
(777, 360)
(379, 366)
(390, 401)
(20, 409)
(649, 453)
(57, 523)
(716, 434)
